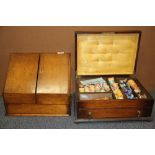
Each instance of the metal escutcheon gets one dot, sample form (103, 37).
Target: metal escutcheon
(89, 115)
(138, 113)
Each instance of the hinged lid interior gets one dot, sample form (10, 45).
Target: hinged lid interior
(106, 53)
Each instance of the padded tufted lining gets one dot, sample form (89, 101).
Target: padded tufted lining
(106, 54)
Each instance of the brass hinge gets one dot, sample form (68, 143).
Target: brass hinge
(61, 52)
(108, 33)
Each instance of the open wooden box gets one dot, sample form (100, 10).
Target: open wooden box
(111, 56)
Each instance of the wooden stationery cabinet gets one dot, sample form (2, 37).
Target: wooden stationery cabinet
(38, 84)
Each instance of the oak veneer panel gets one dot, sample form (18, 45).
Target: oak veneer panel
(36, 109)
(53, 85)
(21, 78)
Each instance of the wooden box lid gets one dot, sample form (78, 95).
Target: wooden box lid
(106, 53)
(22, 74)
(54, 74)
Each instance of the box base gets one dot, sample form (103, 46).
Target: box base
(37, 110)
(149, 119)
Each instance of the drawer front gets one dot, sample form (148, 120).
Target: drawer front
(25, 109)
(113, 113)
(53, 99)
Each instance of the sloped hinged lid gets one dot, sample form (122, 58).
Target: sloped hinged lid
(54, 74)
(106, 53)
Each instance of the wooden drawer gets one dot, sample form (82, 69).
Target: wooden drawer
(38, 110)
(113, 113)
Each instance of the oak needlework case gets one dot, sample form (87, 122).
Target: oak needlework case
(106, 85)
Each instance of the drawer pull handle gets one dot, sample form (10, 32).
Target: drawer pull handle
(138, 113)
(89, 115)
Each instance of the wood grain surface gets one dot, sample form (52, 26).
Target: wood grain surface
(54, 74)
(21, 78)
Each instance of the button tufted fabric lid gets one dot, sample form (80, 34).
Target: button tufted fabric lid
(106, 53)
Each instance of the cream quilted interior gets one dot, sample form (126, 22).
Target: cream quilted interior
(106, 54)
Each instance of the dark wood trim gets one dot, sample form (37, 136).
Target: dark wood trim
(138, 49)
(76, 53)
